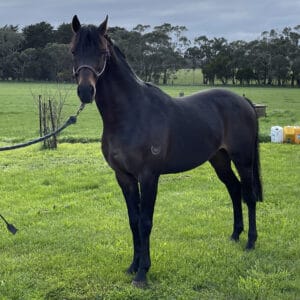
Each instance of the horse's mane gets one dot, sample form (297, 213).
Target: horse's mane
(121, 58)
(112, 45)
(117, 51)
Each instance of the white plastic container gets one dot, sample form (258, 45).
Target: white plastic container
(276, 134)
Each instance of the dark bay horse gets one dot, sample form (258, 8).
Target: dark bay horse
(146, 133)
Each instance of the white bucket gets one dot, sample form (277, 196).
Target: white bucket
(276, 134)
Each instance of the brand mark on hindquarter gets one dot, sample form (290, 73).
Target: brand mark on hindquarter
(155, 150)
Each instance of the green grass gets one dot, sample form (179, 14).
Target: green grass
(74, 240)
(19, 119)
(19, 111)
(187, 77)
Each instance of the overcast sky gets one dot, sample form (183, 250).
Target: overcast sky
(232, 19)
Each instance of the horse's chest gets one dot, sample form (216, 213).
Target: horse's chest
(113, 155)
(118, 156)
(132, 157)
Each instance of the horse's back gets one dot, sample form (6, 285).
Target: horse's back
(218, 99)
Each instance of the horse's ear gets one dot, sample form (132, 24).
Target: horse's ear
(75, 24)
(103, 26)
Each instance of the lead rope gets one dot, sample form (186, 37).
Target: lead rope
(10, 227)
(72, 120)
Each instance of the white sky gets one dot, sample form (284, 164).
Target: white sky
(232, 19)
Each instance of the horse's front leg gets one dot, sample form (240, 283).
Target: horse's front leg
(129, 186)
(148, 187)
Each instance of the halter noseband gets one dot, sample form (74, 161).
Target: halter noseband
(97, 74)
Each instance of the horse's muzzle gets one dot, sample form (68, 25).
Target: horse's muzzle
(86, 93)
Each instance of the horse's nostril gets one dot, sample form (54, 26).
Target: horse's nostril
(86, 93)
(78, 91)
(92, 89)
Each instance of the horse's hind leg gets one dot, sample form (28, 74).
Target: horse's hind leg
(244, 165)
(222, 165)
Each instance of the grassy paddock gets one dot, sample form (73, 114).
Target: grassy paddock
(74, 240)
(19, 118)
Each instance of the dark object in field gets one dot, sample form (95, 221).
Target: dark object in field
(10, 227)
(261, 110)
(146, 133)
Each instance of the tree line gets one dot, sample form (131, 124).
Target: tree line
(40, 52)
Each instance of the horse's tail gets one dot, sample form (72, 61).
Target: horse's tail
(257, 184)
(256, 168)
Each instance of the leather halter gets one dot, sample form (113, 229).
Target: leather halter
(94, 71)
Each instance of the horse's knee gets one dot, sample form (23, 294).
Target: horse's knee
(145, 226)
(133, 221)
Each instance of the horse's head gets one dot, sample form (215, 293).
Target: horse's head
(90, 52)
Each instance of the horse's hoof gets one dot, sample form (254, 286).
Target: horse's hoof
(131, 271)
(250, 246)
(236, 235)
(235, 238)
(139, 284)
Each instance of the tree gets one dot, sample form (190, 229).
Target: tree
(41, 53)
(38, 35)
(10, 44)
(293, 54)
(295, 68)
(215, 59)
(11, 67)
(192, 56)
(205, 58)
(161, 57)
(61, 61)
(239, 58)
(260, 60)
(63, 34)
(36, 64)
(245, 75)
(280, 68)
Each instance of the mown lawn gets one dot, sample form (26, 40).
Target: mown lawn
(74, 240)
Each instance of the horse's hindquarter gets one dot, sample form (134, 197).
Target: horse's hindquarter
(203, 123)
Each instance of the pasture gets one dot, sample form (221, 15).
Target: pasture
(19, 111)
(74, 240)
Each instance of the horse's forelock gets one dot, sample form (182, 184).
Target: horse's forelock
(87, 36)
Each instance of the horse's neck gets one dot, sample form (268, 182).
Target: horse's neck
(118, 93)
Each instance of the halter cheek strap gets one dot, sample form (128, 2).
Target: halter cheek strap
(96, 73)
